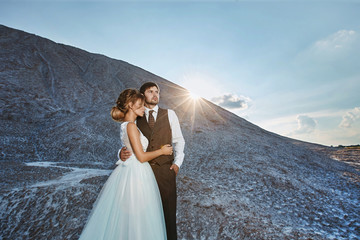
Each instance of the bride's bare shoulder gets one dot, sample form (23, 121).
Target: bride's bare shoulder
(131, 127)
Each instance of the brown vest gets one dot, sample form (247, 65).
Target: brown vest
(160, 135)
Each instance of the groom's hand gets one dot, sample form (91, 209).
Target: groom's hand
(175, 168)
(125, 154)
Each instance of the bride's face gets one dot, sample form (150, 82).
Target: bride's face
(139, 108)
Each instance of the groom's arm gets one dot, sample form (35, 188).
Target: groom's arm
(178, 141)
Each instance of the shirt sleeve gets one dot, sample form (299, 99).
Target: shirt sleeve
(178, 141)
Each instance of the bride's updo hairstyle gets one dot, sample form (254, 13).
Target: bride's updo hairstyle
(122, 104)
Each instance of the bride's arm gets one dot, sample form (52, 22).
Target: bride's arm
(134, 137)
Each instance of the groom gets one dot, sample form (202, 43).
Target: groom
(160, 127)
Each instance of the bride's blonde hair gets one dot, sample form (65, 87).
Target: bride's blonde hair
(126, 97)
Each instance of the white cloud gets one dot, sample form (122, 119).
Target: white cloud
(350, 117)
(332, 59)
(340, 40)
(306, 124)
(232, 101)
(326, 130)
(340, 48)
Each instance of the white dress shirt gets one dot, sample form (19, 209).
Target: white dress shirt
(178, 142)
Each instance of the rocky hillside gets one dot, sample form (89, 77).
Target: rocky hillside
(238, 181)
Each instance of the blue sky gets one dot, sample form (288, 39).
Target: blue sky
(291, 67)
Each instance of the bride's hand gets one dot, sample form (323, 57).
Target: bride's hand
(166, 149)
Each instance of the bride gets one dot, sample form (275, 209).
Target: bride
(129, 204)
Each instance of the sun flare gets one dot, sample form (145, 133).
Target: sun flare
(194, 96)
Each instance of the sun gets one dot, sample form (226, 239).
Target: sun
(194, 96)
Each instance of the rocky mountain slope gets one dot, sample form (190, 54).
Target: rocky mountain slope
(238, 181)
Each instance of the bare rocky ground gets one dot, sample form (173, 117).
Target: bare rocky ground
(215, 201)
(238, 181)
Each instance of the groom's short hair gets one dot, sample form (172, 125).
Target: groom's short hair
(148, 85)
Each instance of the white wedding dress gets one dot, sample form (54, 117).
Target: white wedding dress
(129, 204)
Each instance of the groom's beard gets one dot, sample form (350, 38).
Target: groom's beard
(153, 102)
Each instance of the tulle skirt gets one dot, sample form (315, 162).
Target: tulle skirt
(128, 206)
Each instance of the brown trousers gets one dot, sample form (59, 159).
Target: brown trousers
(166, 180)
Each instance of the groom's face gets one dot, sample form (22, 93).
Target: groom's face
(152, 96)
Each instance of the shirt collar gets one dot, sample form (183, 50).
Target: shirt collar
(156, 109)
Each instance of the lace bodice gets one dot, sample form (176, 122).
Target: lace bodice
(125, 139)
